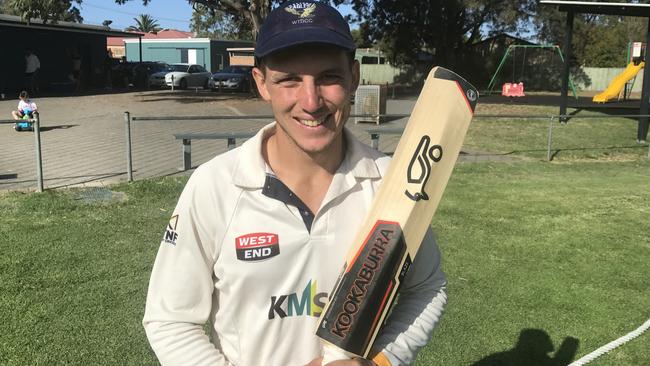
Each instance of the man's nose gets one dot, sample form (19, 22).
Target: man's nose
(310, 98)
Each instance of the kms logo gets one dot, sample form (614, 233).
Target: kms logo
(257, 246)
(310, 302)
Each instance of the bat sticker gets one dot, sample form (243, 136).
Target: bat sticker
(419, 173)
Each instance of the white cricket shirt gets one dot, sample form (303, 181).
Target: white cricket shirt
(250, 266)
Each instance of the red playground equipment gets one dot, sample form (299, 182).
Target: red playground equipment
(513, 90)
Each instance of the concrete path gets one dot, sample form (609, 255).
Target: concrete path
(83, 137)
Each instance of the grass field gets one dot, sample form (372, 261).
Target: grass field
(556, 252)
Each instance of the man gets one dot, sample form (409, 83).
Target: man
(260, 233)
(32, 65)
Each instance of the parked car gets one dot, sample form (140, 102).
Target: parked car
(157, 79)
(154, 68)
(187, 75)
(234, 78)
(135, 74)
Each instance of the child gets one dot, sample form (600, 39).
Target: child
(25, 113)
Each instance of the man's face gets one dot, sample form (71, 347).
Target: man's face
(309, 89)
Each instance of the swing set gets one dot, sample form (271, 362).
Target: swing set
(514, 88)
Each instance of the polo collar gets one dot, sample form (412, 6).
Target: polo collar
(250, 168)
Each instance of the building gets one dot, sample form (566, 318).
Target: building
(61, 48)
(211, 54)
(375, 68)
(116, 44)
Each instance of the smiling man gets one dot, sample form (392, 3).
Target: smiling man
(260, 233)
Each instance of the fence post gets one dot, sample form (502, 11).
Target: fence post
(550, 139)
(39, 161)
(129, 161)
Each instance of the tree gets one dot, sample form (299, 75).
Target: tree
(598, 40)
(46, 10)
(443, 28)
(216, 24)
(144, 23)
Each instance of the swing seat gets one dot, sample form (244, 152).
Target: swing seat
(513, 90)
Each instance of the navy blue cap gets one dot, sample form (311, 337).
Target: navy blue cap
(299, 22)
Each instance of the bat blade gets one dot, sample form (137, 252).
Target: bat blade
(395, 225)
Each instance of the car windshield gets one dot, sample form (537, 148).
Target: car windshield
(181, 68)
(233, 70)
(160, 67)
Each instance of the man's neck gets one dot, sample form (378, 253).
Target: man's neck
(307, 175)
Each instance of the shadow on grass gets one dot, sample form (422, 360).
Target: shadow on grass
(51, 182)
(532, 349)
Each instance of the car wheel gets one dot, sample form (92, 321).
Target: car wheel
(182, 84)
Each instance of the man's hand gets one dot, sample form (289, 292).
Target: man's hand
(353, 362)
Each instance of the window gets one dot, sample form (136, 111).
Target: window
(369, 60)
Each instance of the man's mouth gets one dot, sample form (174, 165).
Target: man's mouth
(313, 122)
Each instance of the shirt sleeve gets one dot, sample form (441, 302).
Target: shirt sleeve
(179, 299)
(418, 309)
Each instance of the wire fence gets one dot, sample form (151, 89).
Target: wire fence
(375, 133)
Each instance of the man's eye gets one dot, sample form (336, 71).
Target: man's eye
(288, 79)
(331, 78)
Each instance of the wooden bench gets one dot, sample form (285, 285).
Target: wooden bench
(376, 132)
(188, 137)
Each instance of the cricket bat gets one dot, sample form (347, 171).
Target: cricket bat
(399, 217)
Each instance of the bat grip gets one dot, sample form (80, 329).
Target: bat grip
(332, 353)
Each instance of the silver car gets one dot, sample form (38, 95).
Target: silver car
(187, 76)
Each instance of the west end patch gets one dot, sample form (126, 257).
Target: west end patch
(170, 233)
(257, 246)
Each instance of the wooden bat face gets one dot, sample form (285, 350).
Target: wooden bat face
(402, 210)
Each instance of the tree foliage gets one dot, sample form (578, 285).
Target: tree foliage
(598, 40)
(217, 24)
(144, 23)
(46, 10)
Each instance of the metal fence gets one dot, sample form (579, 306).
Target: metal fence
(374, 132)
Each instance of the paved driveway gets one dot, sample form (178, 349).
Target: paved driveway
(83, 137)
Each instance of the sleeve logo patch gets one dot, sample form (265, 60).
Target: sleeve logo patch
(257, 246)
(170, 234)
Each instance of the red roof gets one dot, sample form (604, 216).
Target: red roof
(163, 34)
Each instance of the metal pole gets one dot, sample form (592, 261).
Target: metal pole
(129, 161)
(567, 63)
(642, 126)
(550, 140)
(172, 82)
(39, 161)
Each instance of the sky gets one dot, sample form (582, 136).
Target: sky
(173, 14)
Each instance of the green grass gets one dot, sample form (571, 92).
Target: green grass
(561, 248)
(74, 275)
(579, 139)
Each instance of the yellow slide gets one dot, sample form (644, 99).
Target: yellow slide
(616, 86)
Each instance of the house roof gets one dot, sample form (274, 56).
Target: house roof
(16, 21)
(163, 34)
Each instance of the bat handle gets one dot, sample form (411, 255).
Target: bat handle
(332, 353)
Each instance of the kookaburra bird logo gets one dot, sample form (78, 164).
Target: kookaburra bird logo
(305, 13)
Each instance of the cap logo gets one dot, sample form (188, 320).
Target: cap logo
(304, 11)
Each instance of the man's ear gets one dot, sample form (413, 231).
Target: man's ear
(356, 76)
(260, 79)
